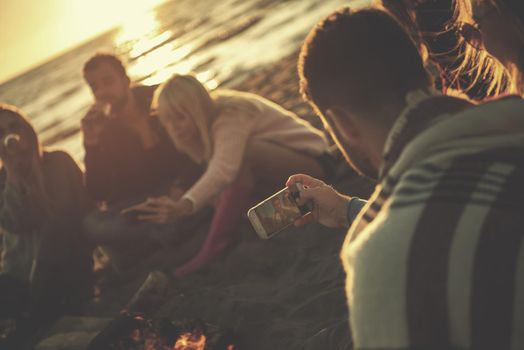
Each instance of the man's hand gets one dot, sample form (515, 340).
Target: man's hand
(162, 210)
(93, 124)
(329, 206)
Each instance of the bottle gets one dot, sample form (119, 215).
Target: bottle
(98, 114)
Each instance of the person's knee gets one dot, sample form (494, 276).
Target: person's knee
(213, 249)
(100, 227)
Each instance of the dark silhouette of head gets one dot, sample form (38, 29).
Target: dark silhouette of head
(363, 60)
(107, 77)
(356, 68)
(107, 58)
(14, 121)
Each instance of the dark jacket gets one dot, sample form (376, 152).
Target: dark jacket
(32, 239)
(119, 167)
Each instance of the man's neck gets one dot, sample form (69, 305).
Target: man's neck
(379, 133)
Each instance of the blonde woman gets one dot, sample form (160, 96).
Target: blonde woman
(247, 143)
(493, 29)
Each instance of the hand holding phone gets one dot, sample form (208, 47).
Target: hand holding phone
(328, 207)
(277, 212)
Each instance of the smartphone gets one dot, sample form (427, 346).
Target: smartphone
(277, 212)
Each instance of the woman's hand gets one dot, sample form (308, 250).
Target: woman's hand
(163, 210)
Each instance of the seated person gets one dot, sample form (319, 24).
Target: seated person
(128, 156)
(246, 142)
(434, 260)
(42, 204)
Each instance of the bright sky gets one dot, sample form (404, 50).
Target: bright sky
(32, 31)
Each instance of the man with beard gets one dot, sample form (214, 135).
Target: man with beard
(435, 259)
(128, 157)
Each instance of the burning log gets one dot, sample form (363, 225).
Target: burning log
(129, 332)
(112, 337)
(132, 330)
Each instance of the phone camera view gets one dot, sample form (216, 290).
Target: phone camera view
(275, 213)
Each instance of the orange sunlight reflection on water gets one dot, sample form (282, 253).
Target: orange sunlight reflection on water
(155, 54)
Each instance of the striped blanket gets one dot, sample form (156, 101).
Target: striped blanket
(436, 258)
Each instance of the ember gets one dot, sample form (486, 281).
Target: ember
(190, 341)
(134, 332)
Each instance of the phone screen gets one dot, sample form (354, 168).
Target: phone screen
(278, 211)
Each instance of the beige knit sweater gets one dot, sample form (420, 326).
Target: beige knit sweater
(235, 127)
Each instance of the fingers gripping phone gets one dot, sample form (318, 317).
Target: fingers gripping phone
(277, 212)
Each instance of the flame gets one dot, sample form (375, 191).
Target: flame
(136, 335)
(190, 341)
(154, 342)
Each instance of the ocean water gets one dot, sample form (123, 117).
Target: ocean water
(221, 41)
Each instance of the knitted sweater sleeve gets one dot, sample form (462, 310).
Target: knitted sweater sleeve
(229, 137)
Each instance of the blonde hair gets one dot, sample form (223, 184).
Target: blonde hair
(480, 64)
(185, 94)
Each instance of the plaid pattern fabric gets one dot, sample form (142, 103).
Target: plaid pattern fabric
(436, 258)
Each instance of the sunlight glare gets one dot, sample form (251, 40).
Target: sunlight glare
(211, 84)
(156, 60)
(142, 46)
(137, 25)
(207, 78)
(184, 67)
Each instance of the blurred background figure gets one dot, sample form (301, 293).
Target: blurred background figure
(127, 153)
(247, 142)
(42, 204)
(128, 156)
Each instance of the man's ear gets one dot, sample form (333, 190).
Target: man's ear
(344, 122)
